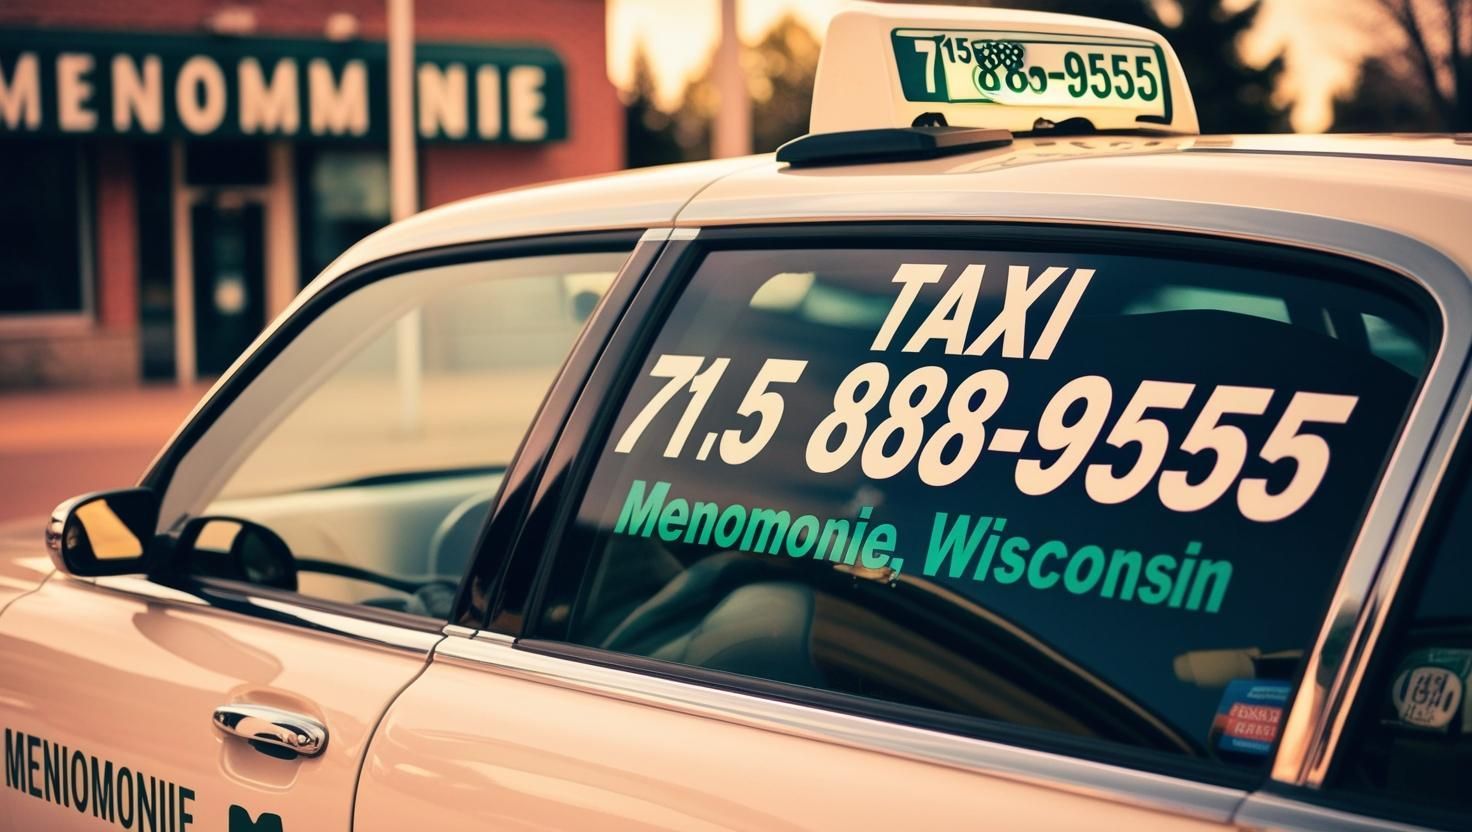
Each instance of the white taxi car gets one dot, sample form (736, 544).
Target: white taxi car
(1001, 455)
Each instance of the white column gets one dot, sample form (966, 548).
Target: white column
(184, 352)
(403, 178)
(732, 135)
(403, 171)
(282, 280)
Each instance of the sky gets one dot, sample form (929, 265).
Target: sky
(1324, 41)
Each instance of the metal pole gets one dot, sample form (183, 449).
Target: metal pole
(403, 177)
(402, 171)
(733, 119)
(185, 369)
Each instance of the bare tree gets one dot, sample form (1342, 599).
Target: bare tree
(1440, 53)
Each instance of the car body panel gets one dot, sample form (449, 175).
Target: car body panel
(474, 743)
(24, 564)
(1418, 199)
(132, 681)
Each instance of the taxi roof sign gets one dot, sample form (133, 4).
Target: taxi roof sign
(887, 66)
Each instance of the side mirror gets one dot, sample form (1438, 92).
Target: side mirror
(105, 533)
(238, 550)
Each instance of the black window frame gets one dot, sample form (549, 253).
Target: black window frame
(236, 596)
(1453, 487)
(585, 432)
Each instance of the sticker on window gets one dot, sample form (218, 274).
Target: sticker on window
(1430, 689)
(1250, 713)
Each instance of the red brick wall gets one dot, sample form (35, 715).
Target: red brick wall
(574, 28)
(116, 236)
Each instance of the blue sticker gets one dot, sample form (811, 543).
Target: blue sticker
(1250, 714)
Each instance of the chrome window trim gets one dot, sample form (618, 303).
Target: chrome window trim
(1269, 811)
(499, 654)
(320, 619)
(1379, 554)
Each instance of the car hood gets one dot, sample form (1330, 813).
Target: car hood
(24, 563)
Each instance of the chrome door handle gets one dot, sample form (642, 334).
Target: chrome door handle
(273, 726)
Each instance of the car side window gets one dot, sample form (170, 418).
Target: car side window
(1410, 742)
(373, 444)
(1097, 498)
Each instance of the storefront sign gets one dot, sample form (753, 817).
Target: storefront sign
(90, 83)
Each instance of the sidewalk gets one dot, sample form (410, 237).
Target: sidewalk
(55, 444)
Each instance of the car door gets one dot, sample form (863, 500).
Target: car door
(942, 527)
(366, 438)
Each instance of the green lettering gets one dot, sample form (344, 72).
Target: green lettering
(878, 547)
(1218, 573)
(672, 519)
(1050, 549)
(1091, 555)
(639, 513)
(796, 549)
(1157, 572)
(765, 525)
(729, 526)
(836, 529)
(953, 546)
(990, 550)
(702, 522)
(1013, 564)
(1123, 559)
(1183, 579)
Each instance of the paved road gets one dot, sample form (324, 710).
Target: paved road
(57, 444)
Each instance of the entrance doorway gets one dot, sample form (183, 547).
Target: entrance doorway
(229, 231)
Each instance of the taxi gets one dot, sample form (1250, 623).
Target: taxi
(1001, 455)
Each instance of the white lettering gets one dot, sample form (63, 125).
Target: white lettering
(73, 91)
(525, 102)
(488, 102)
(1062, 313)
(951, 318)
(442, 102)
(913, 276)
(199, 95)
(136, 96)
(20, 99)
(338, 108)
(269, 107)
(1011, 323)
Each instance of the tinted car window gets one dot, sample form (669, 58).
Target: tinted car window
(374, 443)
(1412, 739)
(1091, 495)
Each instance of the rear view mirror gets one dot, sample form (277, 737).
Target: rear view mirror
(105, 533)
(239, 550)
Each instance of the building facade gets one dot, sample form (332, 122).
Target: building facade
(172, 173)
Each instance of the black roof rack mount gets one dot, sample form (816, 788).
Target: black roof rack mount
(888, 144)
